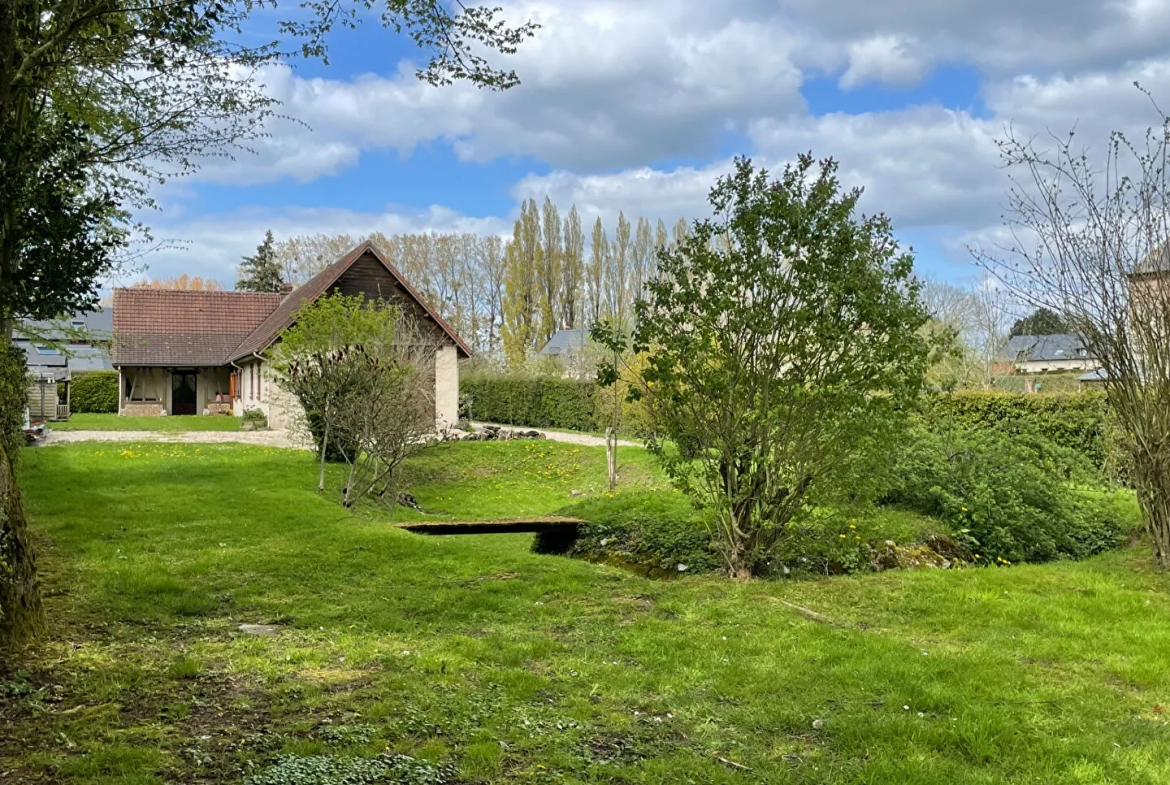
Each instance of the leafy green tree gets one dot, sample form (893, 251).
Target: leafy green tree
(781, 344)
(1040, 322)
(263, 271)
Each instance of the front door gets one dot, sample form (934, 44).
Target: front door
(183, 399)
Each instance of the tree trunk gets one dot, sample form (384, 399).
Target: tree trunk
(611, 457)
(21, 613)
(324, 450)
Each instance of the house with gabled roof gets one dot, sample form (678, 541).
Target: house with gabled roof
(191, 352)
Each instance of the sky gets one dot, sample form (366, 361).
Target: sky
(640, 106)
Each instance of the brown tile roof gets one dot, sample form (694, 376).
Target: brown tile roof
(283, 316)
(172, 327)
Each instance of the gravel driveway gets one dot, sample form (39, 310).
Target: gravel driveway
(271, 438)
(258, 438)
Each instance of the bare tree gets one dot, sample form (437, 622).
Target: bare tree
(390, 414)
(1089, 242)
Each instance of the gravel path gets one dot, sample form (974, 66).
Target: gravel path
(272, 438)
(567, 437)
(258, 438)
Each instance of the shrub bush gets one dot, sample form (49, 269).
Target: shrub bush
(1008, 496)
(534, 402)
(95, 393)
(650, 531)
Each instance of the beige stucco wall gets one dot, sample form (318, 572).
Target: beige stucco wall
(446, 387)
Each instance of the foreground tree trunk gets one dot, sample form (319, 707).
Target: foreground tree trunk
(21, 613)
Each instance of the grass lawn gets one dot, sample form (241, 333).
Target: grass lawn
(112, 422)
(523, 668)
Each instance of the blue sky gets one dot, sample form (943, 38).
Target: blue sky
(640, 107)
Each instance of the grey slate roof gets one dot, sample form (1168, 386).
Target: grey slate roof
(565, 341)
(1156, 261)
(1042, 348)
(91, 326)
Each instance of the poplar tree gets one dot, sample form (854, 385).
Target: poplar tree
(572, 269)
(617, 283)
(521, 293)
(642, 258)
(595, 274)
(550, 269)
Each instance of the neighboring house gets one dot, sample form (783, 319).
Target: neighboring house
(58, 350)
(570, 348)
(62, 346)
(187, 352)
(1045, 353)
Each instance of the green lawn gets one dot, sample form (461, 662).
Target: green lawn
(523, 668)
(112, 422)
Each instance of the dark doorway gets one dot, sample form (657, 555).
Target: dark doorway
(183, 399)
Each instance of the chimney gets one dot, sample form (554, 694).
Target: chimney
(286, 288)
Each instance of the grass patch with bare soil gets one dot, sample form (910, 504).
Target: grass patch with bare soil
(470, 659)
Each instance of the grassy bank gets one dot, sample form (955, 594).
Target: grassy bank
(524, 668)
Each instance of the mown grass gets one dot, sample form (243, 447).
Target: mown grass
(112, 422)
(526, 668)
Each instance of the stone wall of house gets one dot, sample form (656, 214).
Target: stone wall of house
(141, 409)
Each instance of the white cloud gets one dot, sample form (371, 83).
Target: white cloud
(884, 58)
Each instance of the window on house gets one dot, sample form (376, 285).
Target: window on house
(48, 350)
(77, 324)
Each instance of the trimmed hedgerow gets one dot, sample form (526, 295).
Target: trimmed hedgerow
(649, 531)
(94, 393)
(533, 402)
(1076, 421)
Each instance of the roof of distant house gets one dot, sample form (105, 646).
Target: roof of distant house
(1044, 348)
(564, 341)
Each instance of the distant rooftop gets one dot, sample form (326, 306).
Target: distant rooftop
(88, 326)
(1044, 348)
(565, 341)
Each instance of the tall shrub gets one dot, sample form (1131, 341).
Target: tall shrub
(94, 393)
(781, 337)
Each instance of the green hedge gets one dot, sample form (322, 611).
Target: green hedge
(535, 403)
(94, 393)
(1073, 420)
